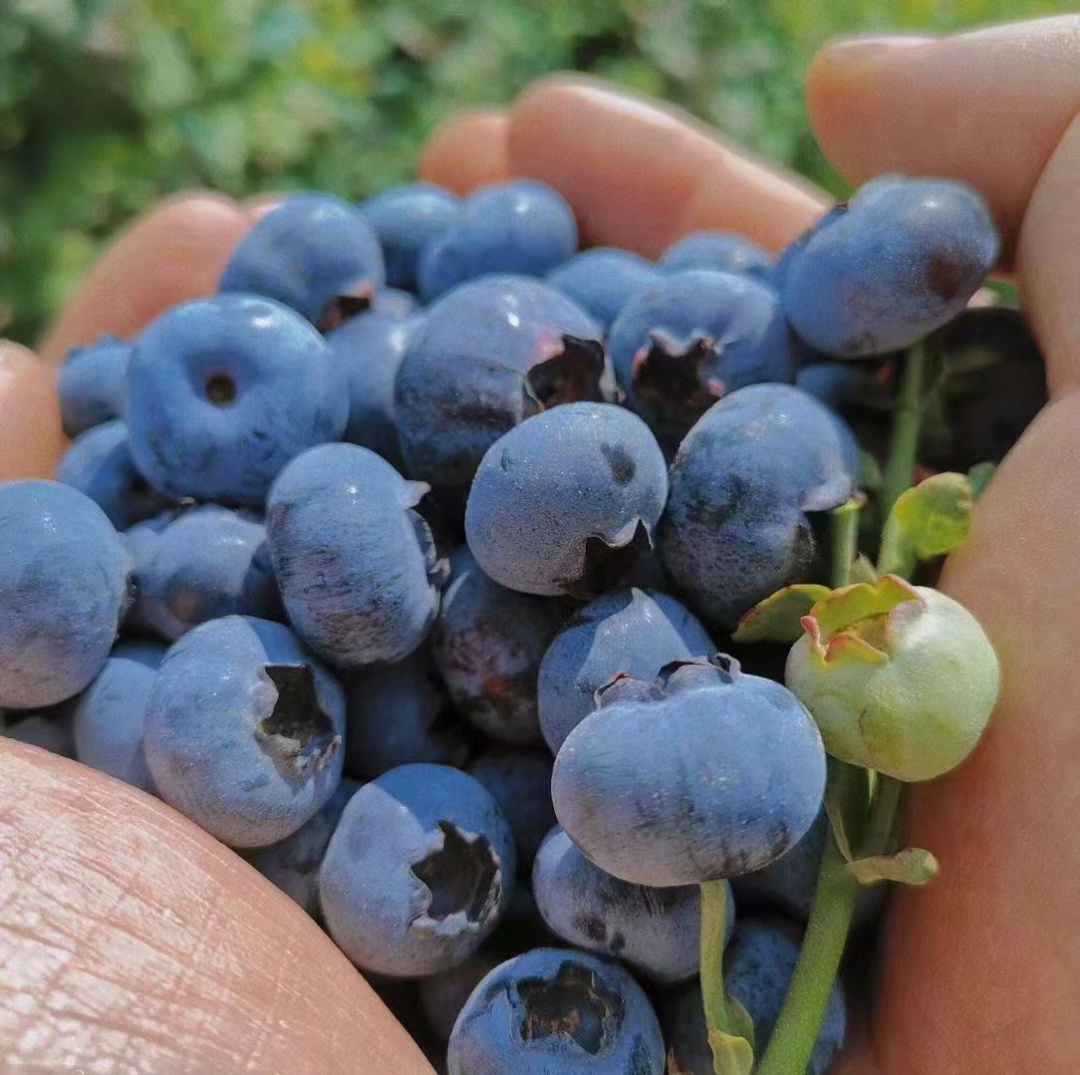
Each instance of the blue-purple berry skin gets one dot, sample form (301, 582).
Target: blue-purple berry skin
(631, 632)
(99, 464)
(834, 383)
(50, 728)
(91, 384)
(401, 714)
(108, 717)
(701, 773)
(64, 575)
(418, 871)
(355, 563)
(735, 528)
(520, 780)
(718, 251)
(198, 564)
(367, 350)
(306, 253)
(407, 219)
(902, 260)
(691, 338)
(485, 358)
(487, 643)
(603, 280)
(522, 226)
(224, 391)
(563, 503)
(554, 1011)
(392, 302)
(655, 930)
(243, 731)
(293, 864)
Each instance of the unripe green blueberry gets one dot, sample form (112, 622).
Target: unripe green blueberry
(899, 678)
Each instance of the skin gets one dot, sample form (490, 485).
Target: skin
(980, 972)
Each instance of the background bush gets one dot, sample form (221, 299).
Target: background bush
(107, 104)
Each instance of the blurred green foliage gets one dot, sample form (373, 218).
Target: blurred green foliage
(107, 104)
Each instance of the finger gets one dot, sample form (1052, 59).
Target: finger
(467, 152)
(640, 175)
(986, 107)
(31, 439)
(174, 253)
(134, 940)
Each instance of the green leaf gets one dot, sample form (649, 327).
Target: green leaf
(979, 478)
(869, 473)
(732, 1054)
(928, 520)
(862, 570)
(778, 617)
(912, 866)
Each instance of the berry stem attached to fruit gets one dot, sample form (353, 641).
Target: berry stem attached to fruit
(845, 540)
(729, 1027)
(905, 432)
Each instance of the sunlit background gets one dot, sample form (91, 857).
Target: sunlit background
(107, 104)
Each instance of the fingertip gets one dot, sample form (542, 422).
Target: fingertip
(467, 152)
(31, 437)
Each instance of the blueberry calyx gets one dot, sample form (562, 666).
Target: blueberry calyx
(571, 375)
(349, 302)
(574, 1004)
(607, 560)
(297, 732)
(463, 875)
(670, 380)
(220, 389)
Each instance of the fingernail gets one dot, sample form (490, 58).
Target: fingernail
(860, 49)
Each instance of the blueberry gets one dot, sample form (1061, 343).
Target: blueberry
(223, 392)
(699, 774)
(692, 337)
(518, 227)
(407, 219)
(99, 464)
(627, 631)
(443, 995)
(901, 259)
(487, 356)
(417, 872)
(563, 503)
(736, 528)
(63, 588)
(356, 564)
(839, 384)
(199, 564)
(313, 253)
(392, 302)
(367, 350)
(720, 251)
(655, 930)
(603, 280)
(553, 1011)
(401, 713)
(487, 644)
(91, 384)
(293, 865)
(109, 716)
(519, 778)
(49, 729)
(243, 731)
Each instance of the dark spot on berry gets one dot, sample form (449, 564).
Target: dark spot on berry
(352, 301)
(571, 375)
(297, 733)
(220, 389)
(575, 1005)
(618, 458)
(640, 1061)
(618, 943)
(463, 875)
(945, 275)
(592, 926)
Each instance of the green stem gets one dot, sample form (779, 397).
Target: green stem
(888, 792)
(905, 433)
(713, 930)
(845, 541)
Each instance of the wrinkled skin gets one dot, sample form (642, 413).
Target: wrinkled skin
(243, 977)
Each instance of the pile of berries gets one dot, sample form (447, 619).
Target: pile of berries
(401, 565)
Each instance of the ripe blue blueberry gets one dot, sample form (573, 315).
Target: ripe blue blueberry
(720, 251)
(223, 392)
(487, 643)
(554, 1011)
(243, 731)
(91, 384)
(63, 590)
(903, 258)
(701, 773)
(407, 219)
(487, 356)
(49, 729)
(99, 464)
(692, 337)
(313, 253)
(655, 930)
(518, 227)
(109, 716)
(563, 503)
(836, 384)
(519, 778)
(293, 865)
(418, 871)
(632, 632)
(198, 564)
(355, 563)
(603, 280)
(401, 713)
(736, 527)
